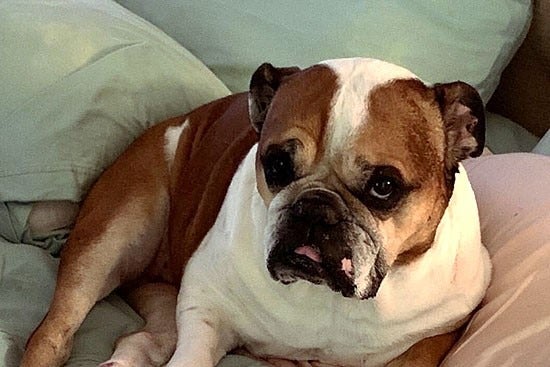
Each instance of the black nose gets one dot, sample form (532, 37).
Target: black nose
(319, 206)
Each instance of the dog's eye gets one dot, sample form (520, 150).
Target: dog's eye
(382, 187)
(278, 168)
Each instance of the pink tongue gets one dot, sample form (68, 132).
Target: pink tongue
(309, 252)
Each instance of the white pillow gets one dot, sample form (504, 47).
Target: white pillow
(440, 41)
(80, 80)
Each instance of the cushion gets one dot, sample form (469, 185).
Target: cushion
(512, 326)
(506, 136)
(45, 224)
(90, 78)
(440, 41)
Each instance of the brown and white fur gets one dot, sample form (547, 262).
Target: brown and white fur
(338, 226)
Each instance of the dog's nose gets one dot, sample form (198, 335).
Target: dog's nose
(319, 206)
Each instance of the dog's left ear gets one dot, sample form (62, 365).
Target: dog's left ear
(464, 121)
(264, 83)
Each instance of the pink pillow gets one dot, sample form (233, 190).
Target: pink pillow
(512, 326)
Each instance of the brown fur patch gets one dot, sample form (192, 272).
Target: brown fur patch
(405, 130)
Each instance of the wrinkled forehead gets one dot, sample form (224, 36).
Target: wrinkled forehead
(375, 109)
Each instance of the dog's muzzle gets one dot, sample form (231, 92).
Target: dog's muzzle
(313, 242)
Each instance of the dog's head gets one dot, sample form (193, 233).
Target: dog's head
(356, 164)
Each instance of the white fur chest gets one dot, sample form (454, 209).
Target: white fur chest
(306, 321)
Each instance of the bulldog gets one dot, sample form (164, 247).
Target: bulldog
(322, 216)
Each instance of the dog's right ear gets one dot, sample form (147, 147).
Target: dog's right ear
(264, 83)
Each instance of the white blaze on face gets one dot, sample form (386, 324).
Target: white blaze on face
(356, 78)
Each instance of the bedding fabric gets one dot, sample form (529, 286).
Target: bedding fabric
(440, 41)
(543, 146)
(505, 136)
(512, 326)
(80, 80)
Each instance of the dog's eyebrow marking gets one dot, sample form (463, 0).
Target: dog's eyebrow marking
(171, 139)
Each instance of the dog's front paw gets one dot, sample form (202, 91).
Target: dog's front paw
(142, 349)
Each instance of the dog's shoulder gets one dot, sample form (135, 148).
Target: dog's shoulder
(209, 149)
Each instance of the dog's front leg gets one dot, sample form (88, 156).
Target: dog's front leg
(203, 338)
